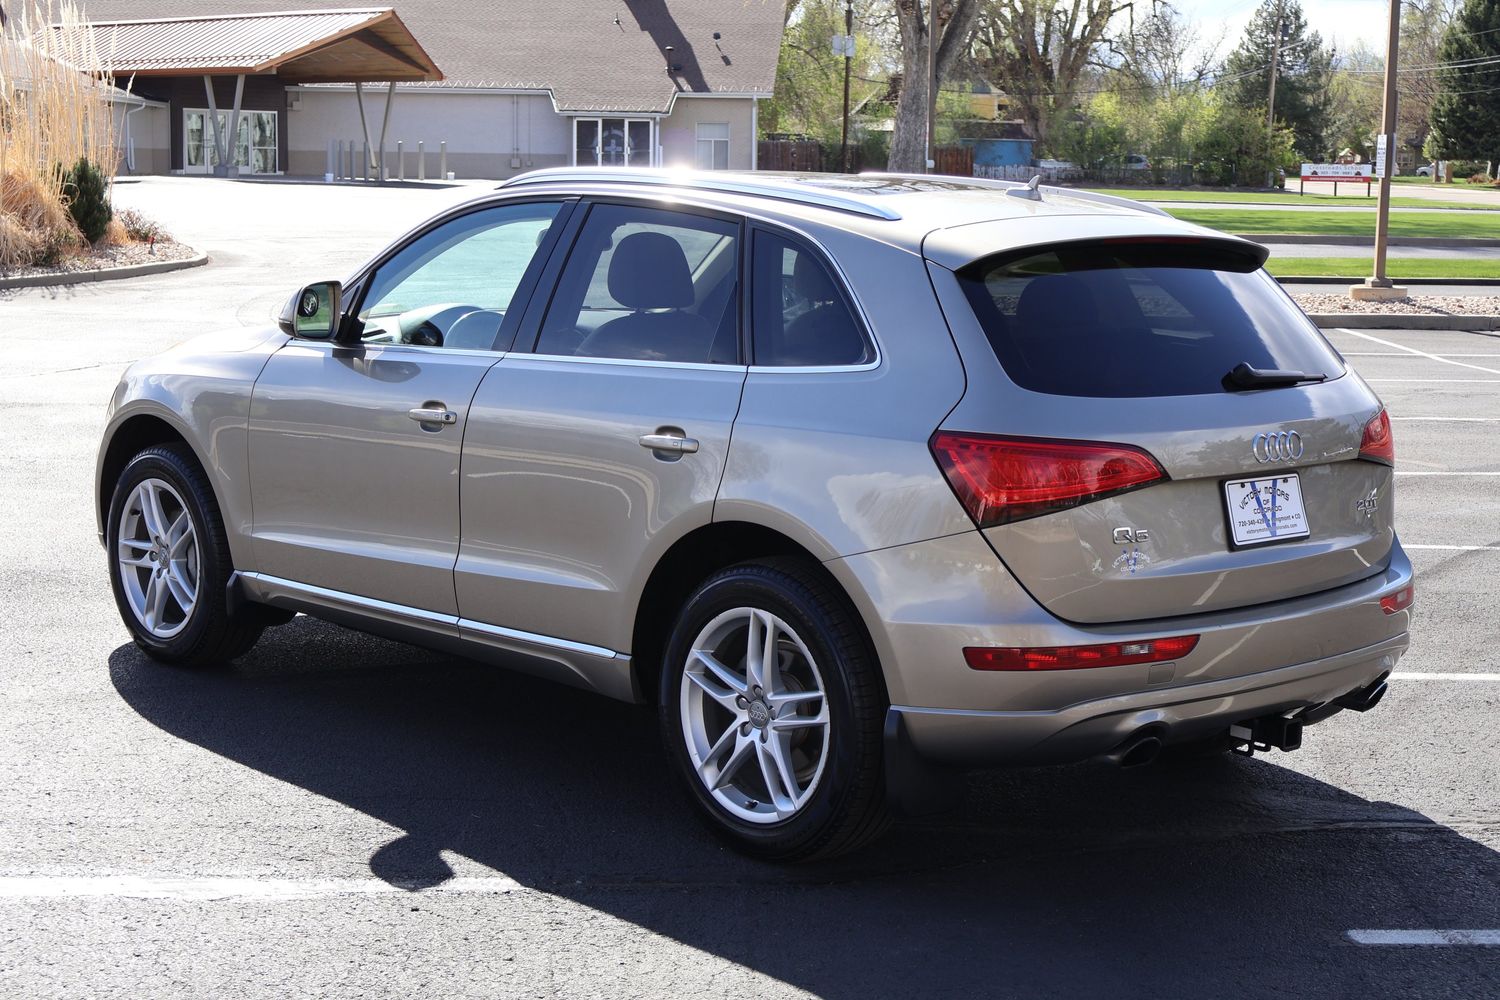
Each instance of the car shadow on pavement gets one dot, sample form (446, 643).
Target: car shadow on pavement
(1088, 880)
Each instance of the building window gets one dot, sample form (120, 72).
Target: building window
(713, 145)
(612, 142)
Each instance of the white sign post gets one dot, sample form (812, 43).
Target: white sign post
(1380, 156)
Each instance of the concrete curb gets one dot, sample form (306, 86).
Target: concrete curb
(103, 274)
(1326, 279)
(1447, 242)
(1404, 321)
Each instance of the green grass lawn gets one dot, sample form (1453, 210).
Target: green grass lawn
(1282, 198)
(1359, 267)
(1232, 220)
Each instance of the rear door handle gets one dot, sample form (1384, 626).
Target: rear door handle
(433, 415)
(675, 444)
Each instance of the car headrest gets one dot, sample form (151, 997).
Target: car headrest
(650, 271)
(811, 281)
(1056, 300)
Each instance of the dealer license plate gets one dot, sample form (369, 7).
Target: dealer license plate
(1264, 510)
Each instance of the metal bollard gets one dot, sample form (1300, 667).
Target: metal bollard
(364, 164)
(421, 161)
(443, 160)
(400, 161)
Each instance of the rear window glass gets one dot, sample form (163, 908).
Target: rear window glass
(1123, 320)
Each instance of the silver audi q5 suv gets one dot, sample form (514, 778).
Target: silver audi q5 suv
(858, 480)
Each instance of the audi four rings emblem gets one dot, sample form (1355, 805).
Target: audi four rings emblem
(1281, 446)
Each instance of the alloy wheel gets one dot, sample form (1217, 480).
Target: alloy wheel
(755, 715)
(158, 558)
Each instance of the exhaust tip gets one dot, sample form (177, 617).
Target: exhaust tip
(1364, 699)
(1141, 748)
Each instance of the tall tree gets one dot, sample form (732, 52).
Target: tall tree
(1423, 24)
(1303, 73)
(1039, 50)
(1161, 52)
(955, 29)
(810, 78)
(1466, 115)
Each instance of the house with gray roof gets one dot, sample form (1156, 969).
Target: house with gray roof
(501, 87)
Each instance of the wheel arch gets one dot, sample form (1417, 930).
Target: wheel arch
(686, 564)
(124, 441)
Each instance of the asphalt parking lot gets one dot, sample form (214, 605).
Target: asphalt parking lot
(339, 815)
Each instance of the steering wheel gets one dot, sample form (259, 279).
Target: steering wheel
(427, 326)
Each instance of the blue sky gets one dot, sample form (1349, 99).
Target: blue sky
(1343, 21)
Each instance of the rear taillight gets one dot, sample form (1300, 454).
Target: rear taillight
(1104, 654)
(1399, 601)
(1004, 479)
(1378, 444)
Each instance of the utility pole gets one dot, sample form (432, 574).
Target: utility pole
(848, 58)
(932, 47)
(1271, 98)
(1378, 287)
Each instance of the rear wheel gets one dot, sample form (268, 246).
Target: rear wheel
(169, 562)
(772, 707)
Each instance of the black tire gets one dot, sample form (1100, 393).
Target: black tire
(847, 807)
(210, 634)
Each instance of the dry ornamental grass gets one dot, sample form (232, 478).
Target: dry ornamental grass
(57, 107)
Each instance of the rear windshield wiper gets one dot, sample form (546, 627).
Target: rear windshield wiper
(1242, 376)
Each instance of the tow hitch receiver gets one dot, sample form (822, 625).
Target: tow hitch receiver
(1267, 732)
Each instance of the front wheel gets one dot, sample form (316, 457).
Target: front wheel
(169, 562)
(772, 706)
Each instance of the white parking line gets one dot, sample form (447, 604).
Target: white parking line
(1454, 548)
(1440, 381)
(1424, 472)
(1434, 937)
(1402, 354)
(1453, 420)
(1449, 675)
(214, 887)
(1422, 354)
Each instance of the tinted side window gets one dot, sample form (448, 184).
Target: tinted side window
(452, 286)
(800, 316)
(648, 284)
(1126, 320)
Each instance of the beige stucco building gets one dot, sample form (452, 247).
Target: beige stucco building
(518, 85)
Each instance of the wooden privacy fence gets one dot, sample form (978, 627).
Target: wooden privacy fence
(809, 156)
(790, 154)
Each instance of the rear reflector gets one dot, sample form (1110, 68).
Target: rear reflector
(1104, 654)
(1004, 479)
(1378, 443)
(1399, 601)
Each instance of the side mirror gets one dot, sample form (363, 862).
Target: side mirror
(314, 312)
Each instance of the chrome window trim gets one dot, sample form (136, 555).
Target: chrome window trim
(456, 352)
(633, 362)
(419, 616)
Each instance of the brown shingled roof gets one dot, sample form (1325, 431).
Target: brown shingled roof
(592, 55)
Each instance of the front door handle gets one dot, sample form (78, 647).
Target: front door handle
(674, 444)
(435, 414)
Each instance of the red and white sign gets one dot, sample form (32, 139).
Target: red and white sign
(1338, 172)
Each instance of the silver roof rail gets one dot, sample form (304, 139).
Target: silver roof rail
(802, 194)
(1114, 201)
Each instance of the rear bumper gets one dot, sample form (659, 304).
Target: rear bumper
(979, 738)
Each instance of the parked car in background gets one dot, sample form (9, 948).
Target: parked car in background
(1136, 161)
(856, 480)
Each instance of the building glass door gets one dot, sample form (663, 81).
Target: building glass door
(255, 149)
(613, 142)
